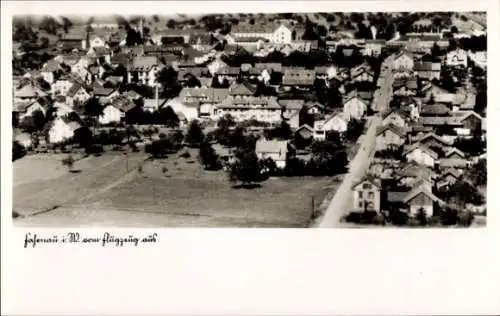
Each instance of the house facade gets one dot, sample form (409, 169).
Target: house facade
(111, 114)
(457, 58)
(336, 122)
(394, 117)
(263, 109)
(420, 199)
(421, 155)
(190, 111)
(77, 94)
(273, 149)
(366, 195)
(354, 108)
(403, 62)
(61, 130)
(389, 137)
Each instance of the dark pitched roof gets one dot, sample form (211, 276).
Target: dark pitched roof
(372, 179)
(452, 151)
(123, 103)
(202, 39)
(410, 84)
(401, 112)
(292, 104)
(194, 71)
(420, 189)
(101, 51)
(426, 66)
(144, 63)
(259, 67)
(434, 136)
(403, 53)
(74, 89)
(298, 76)
(434, 109)
(453, 163)
(439, 121)
(414, 170)
(409, 149)
(51, 66)
(121, 59)
(250, 39)
(241, 89)
(396, 197)
(103, 92)
(232, 49)
(234, 71)
(452, 171)
(418, 128)
(396, 129)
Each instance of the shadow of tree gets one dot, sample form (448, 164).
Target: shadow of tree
(248, 186)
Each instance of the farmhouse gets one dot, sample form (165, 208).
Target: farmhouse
(273, 149)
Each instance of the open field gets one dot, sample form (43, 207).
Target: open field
(41, 182)
(184, 195)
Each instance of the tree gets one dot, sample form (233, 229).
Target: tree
(310, 34)
(83, 137)
(435, 51)
(447, 81)
(66, 24)
(471, 146)
(208, 158)
(247, 169)
(226, 122)
(167, 78)
(237, 137)
(283, 131)
(93, 108)
(18, 150)
(171, 23)
(49, 25)
(328, 158)
(462, 192)
(478, 173)
(177, 138)
(222, 133)
(169, 117)
(305, 117)
(68, 162)
(44, 42)
(354, 129)
(159, 148)
(481, 101)
(194, 136)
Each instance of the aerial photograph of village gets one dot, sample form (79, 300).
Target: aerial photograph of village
(276, 120)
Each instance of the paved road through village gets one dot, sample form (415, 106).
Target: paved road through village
(341, 203)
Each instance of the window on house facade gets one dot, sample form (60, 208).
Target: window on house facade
(371, 195)
(360, 194)
(360, 204)
(367, 186)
